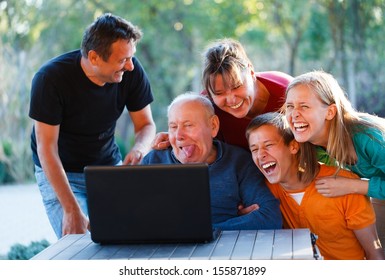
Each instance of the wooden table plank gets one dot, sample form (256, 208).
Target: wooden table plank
(106, 252)
(225, 245)
(302, 247)
(88, 252)
(245, 245)
(236, 245)
(144, 251)
(203, 251)
(57, 247)
(263, 246)
(164, 252)
(283, 245)
(124, 252)
(183, 251)
(74, 248)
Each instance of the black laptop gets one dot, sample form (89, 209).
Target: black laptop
(164, 203)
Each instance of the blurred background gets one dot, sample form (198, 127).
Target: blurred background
(343, 37)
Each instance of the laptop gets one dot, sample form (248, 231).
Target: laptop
(163, 203)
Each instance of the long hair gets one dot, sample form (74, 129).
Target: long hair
(225, 57)
(306, 157)
(347, 120)
(106, 30)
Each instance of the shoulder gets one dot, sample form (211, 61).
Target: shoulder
(369, 141)
(276, 77)
(67, 59)
(236, 155)
(234, 150)
(327, 170)
(365, 133)
(158, 156)
(58, 66)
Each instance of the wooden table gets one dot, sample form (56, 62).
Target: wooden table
(282, 244)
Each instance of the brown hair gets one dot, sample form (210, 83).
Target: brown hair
(106, 30)
(225, 57)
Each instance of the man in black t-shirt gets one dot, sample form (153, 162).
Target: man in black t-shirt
(76, 99)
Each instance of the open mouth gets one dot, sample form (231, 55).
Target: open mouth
(188, 150)
(269, 167)
(300, 126)
(236, 106)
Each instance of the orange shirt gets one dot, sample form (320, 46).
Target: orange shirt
(331, 219)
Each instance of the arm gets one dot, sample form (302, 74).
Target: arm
(253, 191)
(268, 218)
(370, 150)
(369, 241)
(333, 186)
(74, 221)
(144, 128)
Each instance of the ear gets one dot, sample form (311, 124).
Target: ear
(214, 123)
(93, 57)
(331, 112)
(252, 72)
(294, 147)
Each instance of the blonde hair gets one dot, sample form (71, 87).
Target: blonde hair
(225, 57)
(306, 157)
(347, 120)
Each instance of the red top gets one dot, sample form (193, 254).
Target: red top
(232, 130)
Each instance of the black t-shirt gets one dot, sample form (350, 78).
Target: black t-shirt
(62, 95)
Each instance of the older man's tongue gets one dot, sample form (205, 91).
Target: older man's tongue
(188, 150)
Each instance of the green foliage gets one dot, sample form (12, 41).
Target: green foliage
(316, 36)
(15, 162)
(294, 36)
(5, 162)
(22, 252)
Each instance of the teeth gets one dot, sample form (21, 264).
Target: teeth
(237, 105)
(299, 125)
(267, 165)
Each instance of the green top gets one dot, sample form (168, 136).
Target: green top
(370, 149)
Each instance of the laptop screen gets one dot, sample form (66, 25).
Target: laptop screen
(149, 203)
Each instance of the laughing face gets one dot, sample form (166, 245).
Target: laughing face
(276, 160)
(309, 118)
(120, 60)
(236, 100)
(191, 132)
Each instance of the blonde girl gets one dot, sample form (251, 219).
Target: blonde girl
(319, 112)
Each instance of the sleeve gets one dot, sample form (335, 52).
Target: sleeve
(371, 150)
(45, 104)
(253, 190)
(359, 212)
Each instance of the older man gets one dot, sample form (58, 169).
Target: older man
(234, 179)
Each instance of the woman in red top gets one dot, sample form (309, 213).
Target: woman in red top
(237, 91)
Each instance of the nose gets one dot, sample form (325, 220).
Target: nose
(129, 65)
(261, 154)
(179, 133)
(294, 112)
(230, 97)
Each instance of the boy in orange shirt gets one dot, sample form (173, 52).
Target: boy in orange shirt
(345, 225)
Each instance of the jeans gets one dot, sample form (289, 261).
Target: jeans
(51, 203)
